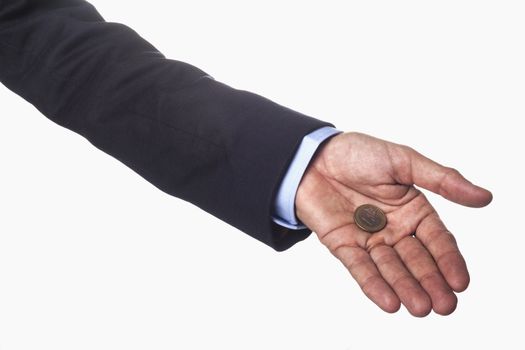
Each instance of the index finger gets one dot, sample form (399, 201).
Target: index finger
(443, 247)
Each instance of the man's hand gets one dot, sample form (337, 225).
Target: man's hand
(414, 260)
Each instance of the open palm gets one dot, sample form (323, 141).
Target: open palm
(414, 260)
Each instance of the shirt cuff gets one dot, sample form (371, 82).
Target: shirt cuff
(284, 210)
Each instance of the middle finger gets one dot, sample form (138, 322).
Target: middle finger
(409, 291)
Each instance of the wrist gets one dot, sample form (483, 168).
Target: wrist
(310, 183)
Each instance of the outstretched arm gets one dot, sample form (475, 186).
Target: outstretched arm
(226, 150)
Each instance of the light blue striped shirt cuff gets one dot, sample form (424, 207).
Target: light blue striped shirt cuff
(284, 213)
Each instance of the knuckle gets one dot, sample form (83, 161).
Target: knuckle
(449, 171)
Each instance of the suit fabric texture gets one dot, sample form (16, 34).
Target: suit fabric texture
(222, 149)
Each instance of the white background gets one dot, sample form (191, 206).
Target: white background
(94, 257)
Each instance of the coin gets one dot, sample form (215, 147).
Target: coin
(370, 218)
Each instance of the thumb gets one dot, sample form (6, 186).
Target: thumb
(447, 182)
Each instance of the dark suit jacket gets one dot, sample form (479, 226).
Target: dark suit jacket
(222, 149)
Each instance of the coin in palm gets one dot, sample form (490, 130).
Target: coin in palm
(370, 218)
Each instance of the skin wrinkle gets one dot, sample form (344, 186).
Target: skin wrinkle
(436, 235)
(402, 200)
(319, 176)
(367, 281)
(428, 275)
(353, 245)
(369, 293)
(322, 170)
(448, 174)
(401, 197)
(456, 282)
(410, 153)
(359, 262)
(404, 277)
(371, 244)
(396, 178)
(407, 228)
(383, 258)
(369, 197)
(410, 231)
(416, 256)
(419, 257)
(444, 255)
(426, 216)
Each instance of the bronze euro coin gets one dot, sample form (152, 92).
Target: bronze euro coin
(369, 218)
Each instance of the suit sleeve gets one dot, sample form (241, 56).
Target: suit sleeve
(222, 149)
